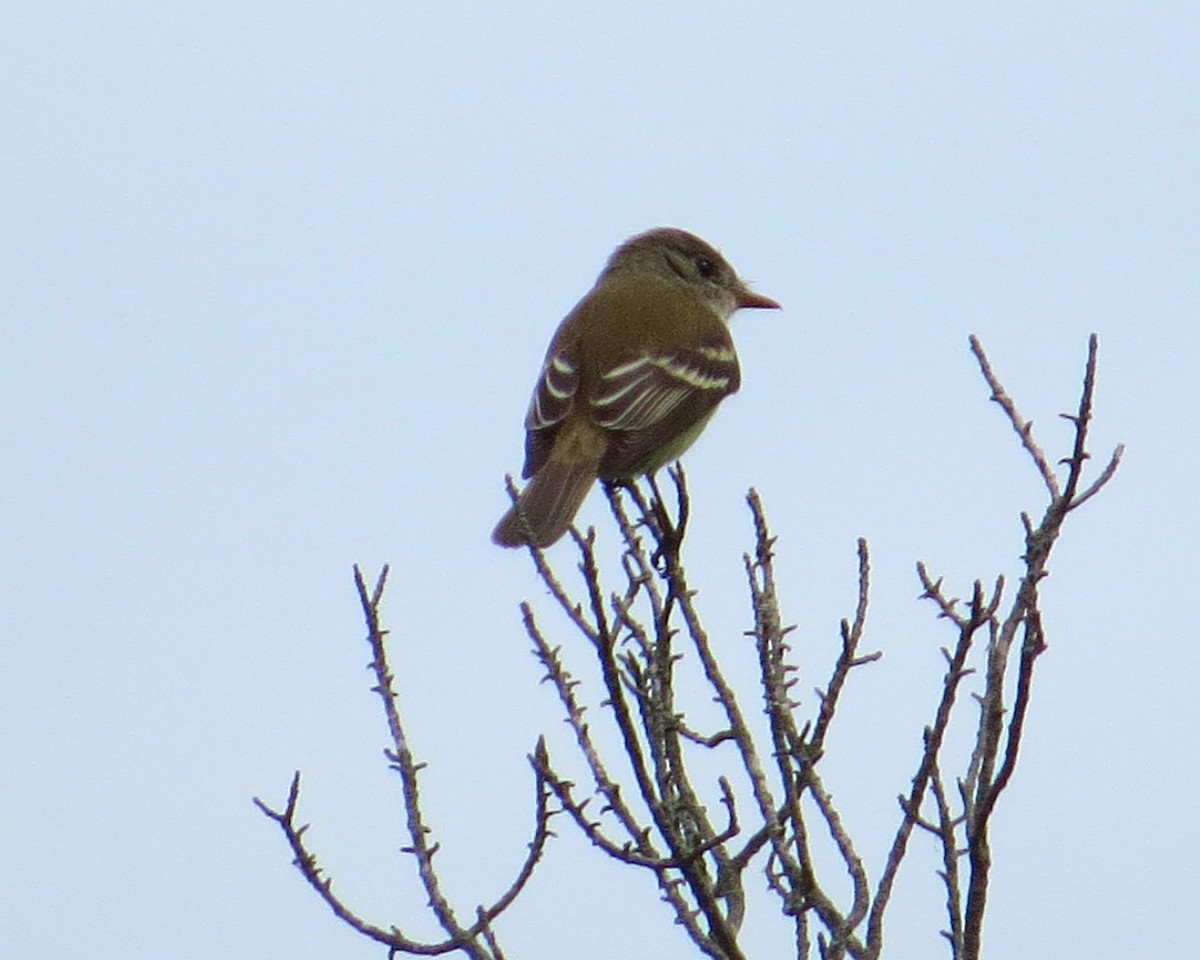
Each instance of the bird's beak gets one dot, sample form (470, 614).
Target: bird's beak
(748, 298)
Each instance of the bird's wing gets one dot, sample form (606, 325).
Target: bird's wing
(553, 398)
(649, 401)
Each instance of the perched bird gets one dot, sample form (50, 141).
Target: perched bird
(632, 376)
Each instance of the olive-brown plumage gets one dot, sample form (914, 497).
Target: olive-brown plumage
(631, 377)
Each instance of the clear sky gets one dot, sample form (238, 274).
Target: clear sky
(275, 281)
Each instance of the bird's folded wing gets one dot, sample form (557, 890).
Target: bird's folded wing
(554, 395)
(646, 390)
(553, 398)
(643, 403)
(653, 406)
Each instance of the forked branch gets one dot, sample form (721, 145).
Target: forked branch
(647, 806)
(476, 940)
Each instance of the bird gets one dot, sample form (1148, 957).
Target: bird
(632, 376)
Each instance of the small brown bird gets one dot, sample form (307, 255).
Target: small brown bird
(631, 378)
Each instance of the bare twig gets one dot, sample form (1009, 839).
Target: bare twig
(647, 632)
(946, 831)
(557, 674)
(980, 611)
(401, 758)
(851, 634)
(1023, 427)
(1001, 726)
(306, 862)
(478, 940)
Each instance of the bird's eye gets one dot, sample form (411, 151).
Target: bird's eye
(706, 268)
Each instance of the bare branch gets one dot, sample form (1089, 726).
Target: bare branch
(848, 659)
(477, 941)
(306, 862)
(934, 735)
(1023, 427)
(946, 832)
(845, 846)
(557, 674)
(1101, 481)
(419, 834)
(537, 847)
(649, 642)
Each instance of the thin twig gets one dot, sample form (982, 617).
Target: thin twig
(1023, 427)
(851, 635)
(420, 844)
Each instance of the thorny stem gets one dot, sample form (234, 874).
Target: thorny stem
(464, 939)
(642, 634)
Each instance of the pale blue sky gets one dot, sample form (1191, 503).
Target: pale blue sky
(275, 280)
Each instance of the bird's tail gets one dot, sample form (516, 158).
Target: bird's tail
(547, 506)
